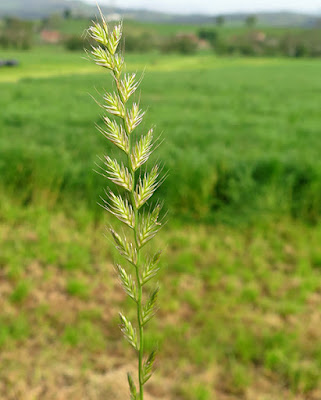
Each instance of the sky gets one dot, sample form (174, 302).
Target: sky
(217, 7)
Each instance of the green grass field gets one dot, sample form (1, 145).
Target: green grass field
(239, 134)
(240, 290)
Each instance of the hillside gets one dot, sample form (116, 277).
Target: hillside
(39, 9)
(277, 19)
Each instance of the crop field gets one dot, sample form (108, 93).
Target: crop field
(239, 135)
(78, 26)
(240, 291)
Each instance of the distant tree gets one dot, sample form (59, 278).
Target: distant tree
(183, 43)
(208, 34)
(294, 45)
(67, 13)
(220, 20)
(44, 23)
(16, 33)
(78, 43)
(251, 21)
(142, 43)
(54, 21)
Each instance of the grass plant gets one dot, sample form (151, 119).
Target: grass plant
(135, 189)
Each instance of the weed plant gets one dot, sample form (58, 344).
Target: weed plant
(135, 188)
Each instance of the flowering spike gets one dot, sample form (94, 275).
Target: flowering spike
(139, 187)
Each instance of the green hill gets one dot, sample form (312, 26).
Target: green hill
(40, 8)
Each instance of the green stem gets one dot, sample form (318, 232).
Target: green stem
(139, 287)
(141, 332)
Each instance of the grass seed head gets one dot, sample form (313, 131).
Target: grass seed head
(137, 188)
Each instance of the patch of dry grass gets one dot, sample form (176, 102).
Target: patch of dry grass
(242, 319)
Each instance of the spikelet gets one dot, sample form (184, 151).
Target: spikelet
(142, 150)
(118, 174)
(128, 86)
(116, 134)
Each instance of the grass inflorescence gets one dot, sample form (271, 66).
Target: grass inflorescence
(135, 186)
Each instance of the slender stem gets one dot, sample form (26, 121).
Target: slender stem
(137, 267)
(141, 332)
(139, 287)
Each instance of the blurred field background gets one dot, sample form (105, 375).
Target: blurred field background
(240, 298)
